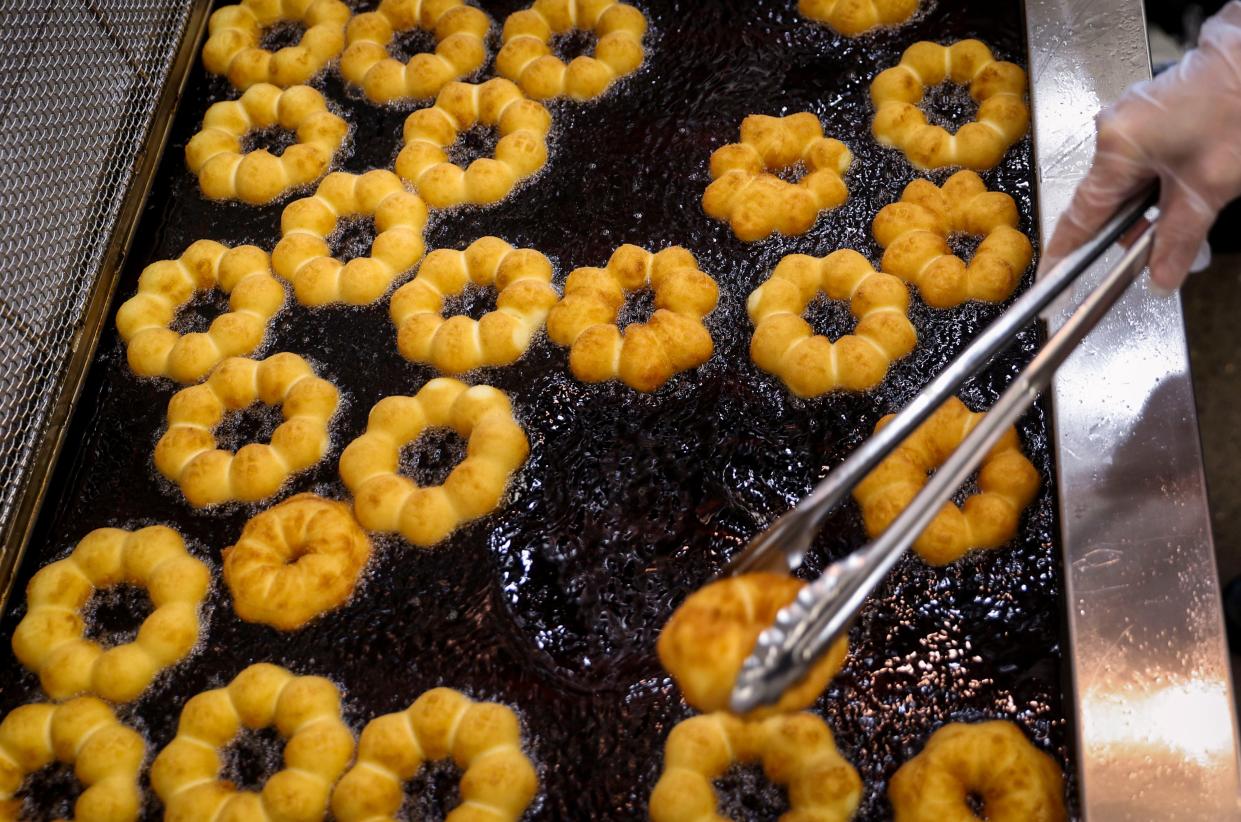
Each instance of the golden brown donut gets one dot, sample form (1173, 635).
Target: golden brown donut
(106, 757)
(295, 561)
(915, 232)
(993, 761)
(998, 87)
(526, 56)
(522, 124)
(854, 17)
(254, 297)
(387, 501)
(522, 279)
(810, 364)
(713, 631)
(483, 739)
(50, 639)
(304, 258)
(796, 750)
(753, 200)
(235, 32)
(460, 48)
(306, 712)
(1007, 483)
(645, 355)
(187, 454)
(258, 177)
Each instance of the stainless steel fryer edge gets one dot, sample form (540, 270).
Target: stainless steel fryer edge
(1156, 732)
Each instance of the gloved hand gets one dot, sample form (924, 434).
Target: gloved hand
(1183, 127)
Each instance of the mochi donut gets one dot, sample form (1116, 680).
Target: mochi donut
(645, 355)
(254, 297)
(305, 710)
(295, 561)
(914, 233)
(526, 56)
(854, 17)
(235, 33)
(711, 634)
(483, 739)
(747, 194)
(459, 49)
(226, 172)
(991, 761)
(50, 640)
(810, 364)
(998, 87)
(187, 453)
(1007, 484)
(796, 751)
(106, 757)
(522, 124)
(387, 501)
(524, 295)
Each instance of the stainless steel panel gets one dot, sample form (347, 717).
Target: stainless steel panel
(1156, 730)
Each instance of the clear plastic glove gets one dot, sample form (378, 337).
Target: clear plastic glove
(1183, 127)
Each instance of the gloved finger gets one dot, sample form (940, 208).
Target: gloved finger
(1183, 225)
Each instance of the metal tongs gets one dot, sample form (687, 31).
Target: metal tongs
(823, 610)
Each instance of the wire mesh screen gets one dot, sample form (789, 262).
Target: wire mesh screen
(79, 81)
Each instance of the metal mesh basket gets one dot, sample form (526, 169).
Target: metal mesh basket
(79, 84)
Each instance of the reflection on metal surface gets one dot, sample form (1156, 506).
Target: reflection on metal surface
(1156, 729)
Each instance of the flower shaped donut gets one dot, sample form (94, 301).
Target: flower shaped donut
(235, 32)
(258, 177)
(483, 739)
(459, 31)
(713, 631)
(254, 297)
(854, 17)
(303, 257)
(521, 151)
(809, 364)
(1007, 483)
(754, 201)
(50, 640)
(294, 561)
(796, 751)
(992, 762)
(998, 87)
(305, 710)
(386, 501)
(646, 355)
(187, 454)
(106, 757)
(915, 234)
(526, 56)
(522, 278)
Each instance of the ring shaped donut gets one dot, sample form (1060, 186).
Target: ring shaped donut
(235, 33)
(50, 640)
(305, 710)
(187, 453)
(810, 364)
(460, 49)
(483, 739)
(1007, 484)
(526, 55)
(386, 501)
(855, 17)
(796, 750)
(645, 355)
(106, 757)
(254, 297)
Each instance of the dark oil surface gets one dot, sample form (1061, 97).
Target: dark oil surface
(628, 502)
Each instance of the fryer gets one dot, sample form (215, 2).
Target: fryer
(1099, 631)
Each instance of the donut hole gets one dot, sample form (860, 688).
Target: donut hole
(745, 792)
(473, 302)
(949, 105)
(352, 238)
(479, 140)
(830, 318)
(114, 614)
(433, 792)
(254, 423)
(977, 805)
(406, 44)
(964, 245)
(430, 458)
(639, 307)
(49, 793)
(252, 757)
(791, 174)
(570, 45)
(272, 139)
(196, 315)
(282, 34)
